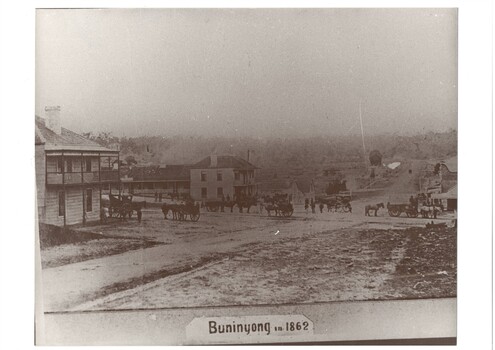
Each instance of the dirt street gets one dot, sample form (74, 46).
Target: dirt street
(235, 259)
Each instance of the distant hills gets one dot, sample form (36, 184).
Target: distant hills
(294, 153)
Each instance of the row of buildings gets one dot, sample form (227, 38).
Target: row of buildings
(73, 173)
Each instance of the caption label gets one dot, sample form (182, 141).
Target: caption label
(248, 329)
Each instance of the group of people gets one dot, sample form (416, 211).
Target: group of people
(307, 204)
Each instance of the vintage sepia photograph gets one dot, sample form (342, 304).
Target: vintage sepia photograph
(246, 176)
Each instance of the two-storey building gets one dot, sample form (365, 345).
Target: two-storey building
(216, 176)
(70, 172)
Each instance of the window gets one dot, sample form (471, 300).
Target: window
(219, 191)
(61, 203)
(68, 166)
(88, 164)
(237, 175)
(203, 176)
(60, 165)
(89, 200)
(219, 175)
(204, 192)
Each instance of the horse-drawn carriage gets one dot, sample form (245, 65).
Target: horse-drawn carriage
(416, 205)
(180, 211)
(279, 204)
(337, 204)
(122, 206)
(396, 210)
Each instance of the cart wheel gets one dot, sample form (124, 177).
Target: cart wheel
(194, 217)
(346, 209)
(290, 212)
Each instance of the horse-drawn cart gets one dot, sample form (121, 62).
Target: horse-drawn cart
(396, 210)
(120, 206)
(181, 211)
(336, 204)
(280, 205)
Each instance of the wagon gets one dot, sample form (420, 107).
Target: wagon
(337, 203)
(120, 206)
(281, 208)
(285, 209)
(397, 209)
(181, 211)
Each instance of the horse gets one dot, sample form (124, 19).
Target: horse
(272, 207)
(174, 208)
(429, 211)
(375, 207)
(137, 207)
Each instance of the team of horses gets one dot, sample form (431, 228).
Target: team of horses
(123, 206)
(180, 211)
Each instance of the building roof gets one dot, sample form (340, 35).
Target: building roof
(234, 162)
(451, 164)
(450, 194)
(66, 141)
(160, 173)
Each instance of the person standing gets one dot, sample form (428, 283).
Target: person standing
(313, 206)
(321, 207)
(156, 196)
(222, 204)
(306, 205)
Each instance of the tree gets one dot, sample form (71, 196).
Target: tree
(375, 158)
(130, 160)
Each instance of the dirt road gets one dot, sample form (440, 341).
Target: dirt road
(213, 248)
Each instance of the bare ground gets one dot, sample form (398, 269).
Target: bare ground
(351, 264)
(64, 254)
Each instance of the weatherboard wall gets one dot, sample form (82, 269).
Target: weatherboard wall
(74, 202)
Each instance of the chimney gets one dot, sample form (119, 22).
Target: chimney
(213, 160)
(52, 115)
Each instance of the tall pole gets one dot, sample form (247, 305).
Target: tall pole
(63, 185)
(362, 135)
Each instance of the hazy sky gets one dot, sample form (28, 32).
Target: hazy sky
(257, 72)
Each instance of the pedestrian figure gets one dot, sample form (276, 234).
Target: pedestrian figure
(156, 196)
(139, 215)
(222, 204)
(306, 205)
(313, 206)
(328, 207)
(321, 207)
(160, 197)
